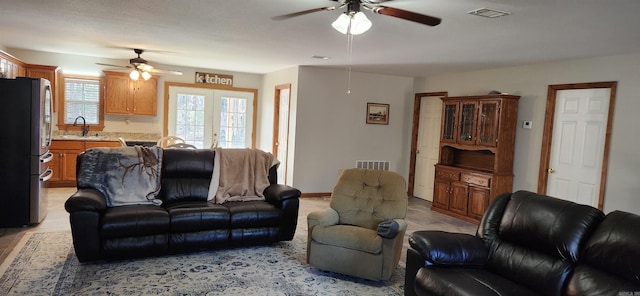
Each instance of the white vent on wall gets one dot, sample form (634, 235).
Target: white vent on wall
(373, 164)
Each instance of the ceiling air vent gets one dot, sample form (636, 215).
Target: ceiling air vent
(488, 12)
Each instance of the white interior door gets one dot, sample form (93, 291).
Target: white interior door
(283, 134)
(577, 145)
(427, 147)
(209, 117)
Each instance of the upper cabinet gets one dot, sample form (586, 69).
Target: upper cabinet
(51, 73)
(128, 97)
(10, 67)
(474, 121)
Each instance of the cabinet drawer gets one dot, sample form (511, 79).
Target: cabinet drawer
(67, 145)
(445, 174)
(476, 179)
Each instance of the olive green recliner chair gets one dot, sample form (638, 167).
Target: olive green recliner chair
(362, 232)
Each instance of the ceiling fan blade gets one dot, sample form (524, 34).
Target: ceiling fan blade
(299, 13)
(407, 15)
(172, 72)
(112, 65)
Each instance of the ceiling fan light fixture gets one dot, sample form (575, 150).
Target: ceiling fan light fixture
(341, 24)
(146, 75)
(355, 24)
(134, 75)
(360, 23)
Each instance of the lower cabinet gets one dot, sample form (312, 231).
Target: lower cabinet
(461, 193)
(63, 163)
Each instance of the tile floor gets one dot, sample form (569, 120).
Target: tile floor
(419, 217)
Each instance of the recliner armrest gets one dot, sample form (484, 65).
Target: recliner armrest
(280, 192)
(86, 200)
(325, 217)
(390, 228)
(449, 249)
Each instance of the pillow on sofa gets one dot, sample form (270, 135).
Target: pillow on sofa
(124, 175)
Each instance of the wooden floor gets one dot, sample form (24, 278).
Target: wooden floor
(419, 217)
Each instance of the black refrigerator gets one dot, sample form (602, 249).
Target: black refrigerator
(25, 137)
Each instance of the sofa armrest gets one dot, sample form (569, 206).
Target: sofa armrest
(280, 192)
(86, 200)
(449, 249)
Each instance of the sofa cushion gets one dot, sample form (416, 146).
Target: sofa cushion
(349, 237)
(611, 258)
(197, 216)
(250, 214)
(134, 221)
(459, 281)
(538, 239)
(549, 225)
(186, 174)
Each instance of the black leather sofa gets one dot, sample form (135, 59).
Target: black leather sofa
(186, 221)
(530, 244)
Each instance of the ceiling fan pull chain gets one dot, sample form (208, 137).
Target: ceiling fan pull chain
(350, 51)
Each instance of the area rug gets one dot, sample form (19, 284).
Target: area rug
(45, 264)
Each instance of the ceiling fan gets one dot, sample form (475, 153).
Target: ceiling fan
(353, 8)
(140, 66)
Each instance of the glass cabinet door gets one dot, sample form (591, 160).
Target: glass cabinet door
(449, 113)
(467, 122)
(488, 123)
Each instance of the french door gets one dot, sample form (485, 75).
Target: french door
(209, 118)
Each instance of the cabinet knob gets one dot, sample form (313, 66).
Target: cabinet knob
(551, 171)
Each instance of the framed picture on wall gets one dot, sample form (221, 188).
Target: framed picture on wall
(377, 113)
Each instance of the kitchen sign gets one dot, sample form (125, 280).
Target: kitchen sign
(214, 78)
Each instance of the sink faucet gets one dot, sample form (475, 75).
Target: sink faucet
(85, 127)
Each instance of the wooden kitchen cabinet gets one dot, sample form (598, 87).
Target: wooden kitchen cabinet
(128, 97)
(65, 153)
(476, 154)
(51, 73)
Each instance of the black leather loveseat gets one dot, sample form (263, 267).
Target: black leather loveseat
(185, 221)
(530, 244)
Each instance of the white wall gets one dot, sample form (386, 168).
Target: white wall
(623, 180)
(331, 132)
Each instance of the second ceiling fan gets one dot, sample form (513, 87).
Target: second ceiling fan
(140, 66)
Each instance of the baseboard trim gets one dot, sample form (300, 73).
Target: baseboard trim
(315, 194)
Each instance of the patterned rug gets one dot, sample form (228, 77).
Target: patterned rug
(45, 264)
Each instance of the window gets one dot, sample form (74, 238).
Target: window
(233, 122)
(190, 119)
(81, 96)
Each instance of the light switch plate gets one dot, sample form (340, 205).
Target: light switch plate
(527, 124)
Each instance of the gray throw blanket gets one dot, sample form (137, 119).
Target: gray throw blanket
(124, 175)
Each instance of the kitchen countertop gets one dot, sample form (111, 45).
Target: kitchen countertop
(105, 136)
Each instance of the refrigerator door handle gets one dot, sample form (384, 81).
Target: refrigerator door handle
(46, 175)
(47, 157)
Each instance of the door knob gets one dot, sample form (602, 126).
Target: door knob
(551, 171)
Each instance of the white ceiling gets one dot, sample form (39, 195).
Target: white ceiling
(240, 35)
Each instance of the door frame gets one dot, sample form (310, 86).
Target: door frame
(417, 101)
(276, 125)
(168, 84)
(549, 119)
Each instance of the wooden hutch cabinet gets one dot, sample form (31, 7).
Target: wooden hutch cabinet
(128, 97)
(476, 154)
